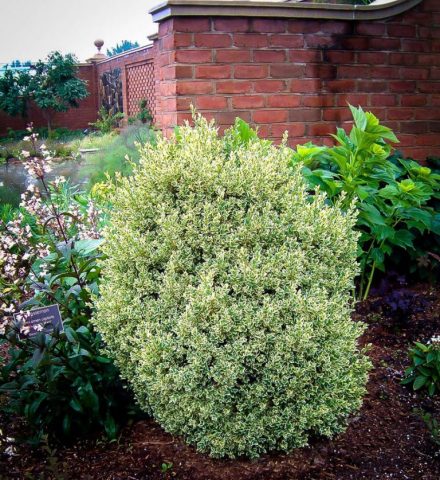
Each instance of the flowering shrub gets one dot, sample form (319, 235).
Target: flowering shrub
(425, 369)
(49, 252)
(226, 300)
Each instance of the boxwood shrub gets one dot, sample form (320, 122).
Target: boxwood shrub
(226, 295)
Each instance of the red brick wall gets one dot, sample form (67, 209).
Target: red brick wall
(78, 118)
(75, 118)
(298, 75)
(134, 58)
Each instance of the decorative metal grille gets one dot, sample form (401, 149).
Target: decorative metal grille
(140, 86)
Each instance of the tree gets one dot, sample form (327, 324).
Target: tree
(14, 92)
(122, 47)
(54, 86)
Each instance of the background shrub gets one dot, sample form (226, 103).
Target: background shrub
(226, 295)
(397, 198)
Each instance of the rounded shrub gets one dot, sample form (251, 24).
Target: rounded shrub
(226, 295)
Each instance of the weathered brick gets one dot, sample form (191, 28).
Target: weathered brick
(371, 28)
(305, 56)
(373, 58)
(248, 101)
(289, 41)
(196, 88)
(304, 26)
(254, 40)
(415, 45)
(305, 85)
(321, 41)
(286, 71)
(212, 40)
(233, 56)
(251, 71)
(402, 86)
(338, 56)
(269, 86)
(384, 44)
(269, 116)
(267, 25)
(213, 71)
(191, 24)
(211, 102)
(354, 71)
(396, 30)
(400, 113)
(413, 100)
(372, 86)
(305, 115)
(232, 24)
(269, 56)
(403, 58)
(318, 100)
(233, 86)
(407, 73)
(386, 100)
(426, 113)
(414, 127)
(193, 56)
(342, 86)
(316, 70)
(429, 87)
(283, 101)
(336, 114)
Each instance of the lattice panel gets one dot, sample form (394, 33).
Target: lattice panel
(140, 86)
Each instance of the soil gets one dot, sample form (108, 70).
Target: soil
(387, 439)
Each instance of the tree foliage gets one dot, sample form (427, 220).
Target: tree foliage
(55, 87)
(52, 84)
(122, 47)
(14, 92)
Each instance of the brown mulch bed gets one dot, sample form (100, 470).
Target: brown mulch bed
(386, 440)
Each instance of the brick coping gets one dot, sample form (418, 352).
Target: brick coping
(377, 10)
(123, 54)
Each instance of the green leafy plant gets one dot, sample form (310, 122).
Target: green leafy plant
(432, 425)
(144, 114)
(393, 197)
(166, 467)
(54, 85)
(425, 369)
(50, 251)
(226, 296)
(14, 92)
(107, 121)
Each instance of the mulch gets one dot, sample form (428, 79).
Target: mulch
(386, 439)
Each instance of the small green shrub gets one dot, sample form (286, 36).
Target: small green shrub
(107, 121)
(433, 427)
(226, 298)
(425, 369)
(60, 382)
(394, 196)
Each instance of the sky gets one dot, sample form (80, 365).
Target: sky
(30, 29)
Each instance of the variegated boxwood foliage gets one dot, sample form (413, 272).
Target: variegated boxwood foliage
(226, 298)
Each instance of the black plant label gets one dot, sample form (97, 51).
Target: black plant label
(39, 320)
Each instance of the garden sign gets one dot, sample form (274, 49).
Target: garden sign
(42, 319)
